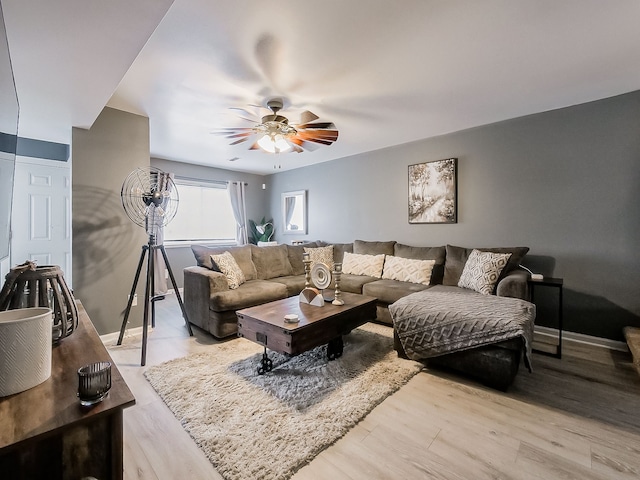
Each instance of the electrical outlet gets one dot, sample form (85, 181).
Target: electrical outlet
(135, 299)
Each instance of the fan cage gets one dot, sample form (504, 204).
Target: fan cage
(149, 198)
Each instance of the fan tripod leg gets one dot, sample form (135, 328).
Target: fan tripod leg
(147, 301)
(132, 294)
(175, 289)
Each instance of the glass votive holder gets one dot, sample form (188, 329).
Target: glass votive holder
(94, 382)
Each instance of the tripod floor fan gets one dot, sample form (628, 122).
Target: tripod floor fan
(150, 199)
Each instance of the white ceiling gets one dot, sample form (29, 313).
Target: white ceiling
(385, 72)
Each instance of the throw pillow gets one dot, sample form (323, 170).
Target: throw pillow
(369, 265)
(408, 270)
(229, 268)
(482, 270)
(321, 255)
(457, 257)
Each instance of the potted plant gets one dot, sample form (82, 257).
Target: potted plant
(260, 232)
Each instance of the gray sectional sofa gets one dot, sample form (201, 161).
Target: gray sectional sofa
(277, 272)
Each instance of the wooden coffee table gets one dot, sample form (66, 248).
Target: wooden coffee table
(264, 324)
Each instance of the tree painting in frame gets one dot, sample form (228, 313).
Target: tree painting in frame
(433, 192)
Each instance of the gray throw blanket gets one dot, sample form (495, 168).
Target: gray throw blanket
(434, 322)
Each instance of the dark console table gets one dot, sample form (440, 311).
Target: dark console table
(552, 283)
(46, 434)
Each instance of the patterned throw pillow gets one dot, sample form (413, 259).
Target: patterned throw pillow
(481, 271)
(356, 264)
(408, 269)
(229, 268)
(321, 255)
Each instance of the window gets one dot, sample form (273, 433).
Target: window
(204, 213)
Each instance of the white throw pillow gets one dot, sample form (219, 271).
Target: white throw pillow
(229, 268)
(320, 255)
(408, 269)
(482, 270)
(359, 264)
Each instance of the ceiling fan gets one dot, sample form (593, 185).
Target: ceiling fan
(274, 134)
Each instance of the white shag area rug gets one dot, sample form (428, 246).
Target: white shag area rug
(242, 420)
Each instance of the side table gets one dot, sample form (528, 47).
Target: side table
(553, 283)
(44, 432)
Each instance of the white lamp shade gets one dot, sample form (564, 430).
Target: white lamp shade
(272, 144)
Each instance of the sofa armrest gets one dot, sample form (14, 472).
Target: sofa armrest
(199, 284)
(204, 281)
(514, 284)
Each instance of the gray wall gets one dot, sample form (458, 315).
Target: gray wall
(257, 203)
(564, 183)
(106, 244)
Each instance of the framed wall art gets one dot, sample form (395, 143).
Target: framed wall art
(433, 191)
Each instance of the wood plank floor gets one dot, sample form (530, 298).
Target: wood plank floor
(575, 418)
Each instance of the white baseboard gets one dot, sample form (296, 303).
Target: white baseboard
(568, 337)
(112, 338)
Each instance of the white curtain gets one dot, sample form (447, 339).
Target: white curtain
(289, 206)
(237, 193)
(160, 281)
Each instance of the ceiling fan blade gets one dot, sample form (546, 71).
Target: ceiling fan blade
(255, 146)
(224, 131)
(317, 125)
(238, 135)
(327, 137)
(327, 134)
(318, 140)
(300, 143)
(307, 116)
(239, 141)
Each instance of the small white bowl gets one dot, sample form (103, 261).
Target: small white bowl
(291, 318)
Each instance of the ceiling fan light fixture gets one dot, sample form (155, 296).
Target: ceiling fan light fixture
(273, 143)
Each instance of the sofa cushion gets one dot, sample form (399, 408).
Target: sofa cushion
(389, 291)
(354, 283)
(294, 283)
(295, 257)
(373, 248)
(253, 292)
(229, 268)
(271, 261)
(339, 249)
(241, 254)
(321, 255)
(407, 269)
(424, 253)
(482, 270)
(457, 257)
(356, 264)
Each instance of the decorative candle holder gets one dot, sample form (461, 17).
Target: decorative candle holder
(307, 269)
(94, 382)
(29, 286)
(337, 273)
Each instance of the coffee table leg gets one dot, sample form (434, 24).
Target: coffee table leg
(266, 364)
(334, 348)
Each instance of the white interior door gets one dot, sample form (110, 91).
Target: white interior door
(41, 216)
